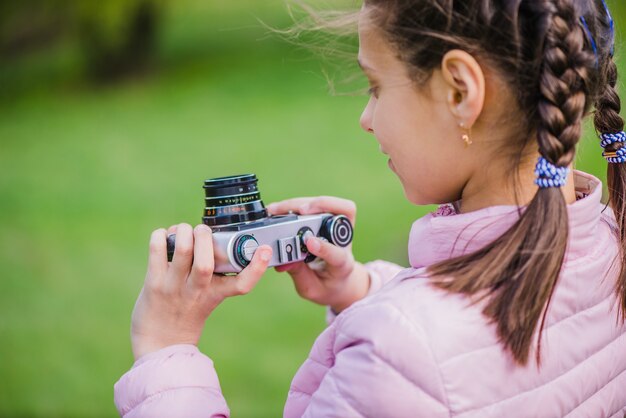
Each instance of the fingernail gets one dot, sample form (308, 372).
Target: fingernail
(204, 227)
(313, 244)
(271, 207)
(266, 255)
(304, 208)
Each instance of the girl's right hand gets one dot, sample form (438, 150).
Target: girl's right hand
(336, 280)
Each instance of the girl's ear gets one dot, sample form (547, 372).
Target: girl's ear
(465, 85)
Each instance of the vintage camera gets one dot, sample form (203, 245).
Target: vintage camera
(240, 224)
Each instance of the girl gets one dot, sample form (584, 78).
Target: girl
(515, 299)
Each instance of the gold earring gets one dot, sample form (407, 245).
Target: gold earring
(466, 136)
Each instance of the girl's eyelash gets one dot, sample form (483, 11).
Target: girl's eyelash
(372, 91)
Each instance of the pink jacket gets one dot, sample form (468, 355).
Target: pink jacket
(410, 350)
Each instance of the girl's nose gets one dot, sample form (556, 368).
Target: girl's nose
(366, 116)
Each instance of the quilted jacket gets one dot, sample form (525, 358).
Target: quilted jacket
(410, 350)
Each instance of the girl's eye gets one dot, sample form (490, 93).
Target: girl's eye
(373, 91)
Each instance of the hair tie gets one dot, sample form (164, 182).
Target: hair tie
(615, 157)
(618, 156)
(549, 175)
(590, 38)
(608, 139)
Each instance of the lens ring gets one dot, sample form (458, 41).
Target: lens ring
(233, 199)
(229, 180)
(229, 190)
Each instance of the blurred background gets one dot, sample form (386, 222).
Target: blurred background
(111, 116)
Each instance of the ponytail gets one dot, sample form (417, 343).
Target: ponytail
(608, 121)
(517, 273)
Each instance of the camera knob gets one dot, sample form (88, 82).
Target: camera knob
(244, 249)
(306, 236)
(303, 235)
(337, 230)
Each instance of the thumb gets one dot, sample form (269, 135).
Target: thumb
(333, 255)
(245, 281)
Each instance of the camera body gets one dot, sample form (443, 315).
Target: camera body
(240, 224)
(234, 245)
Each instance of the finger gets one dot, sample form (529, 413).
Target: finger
(245, 281)
(157, 258)
(335, 205)
(333, 255)
(183, 254)
(288, 267)
(284, 206)
(306, 282)
(313, 205)
(203, 259)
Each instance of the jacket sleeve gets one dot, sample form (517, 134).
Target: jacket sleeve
(383, 367)
(380, 273)
(176, 381)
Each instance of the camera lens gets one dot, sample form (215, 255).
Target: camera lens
(232, 199)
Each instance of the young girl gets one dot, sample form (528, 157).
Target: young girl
(515, 299)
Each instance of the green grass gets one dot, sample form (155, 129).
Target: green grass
(87, 173)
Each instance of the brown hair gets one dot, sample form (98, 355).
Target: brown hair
(543, 52)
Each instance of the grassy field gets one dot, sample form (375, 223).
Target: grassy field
(87, 173)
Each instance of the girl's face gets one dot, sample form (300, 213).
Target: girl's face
(418, 127)
(414, 126)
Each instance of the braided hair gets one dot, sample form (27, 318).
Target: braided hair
(607, 121)
(556, 56)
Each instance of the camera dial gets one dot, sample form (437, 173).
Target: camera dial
(244, 249)
(337, 230)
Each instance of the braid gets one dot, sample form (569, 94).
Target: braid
(563, 80)
(608, 106)
(563, 85)
(608, 121)
(532, 250)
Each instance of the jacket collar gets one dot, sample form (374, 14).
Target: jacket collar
(445, 234)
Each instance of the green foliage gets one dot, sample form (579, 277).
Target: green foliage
(110, 17)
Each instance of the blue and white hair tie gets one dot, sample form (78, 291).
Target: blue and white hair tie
(608, 139)
(549, 175)
(616, 157)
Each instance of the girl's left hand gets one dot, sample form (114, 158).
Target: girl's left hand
(177, 297)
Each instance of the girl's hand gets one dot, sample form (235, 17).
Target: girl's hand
(177, 297)
(337, 281)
